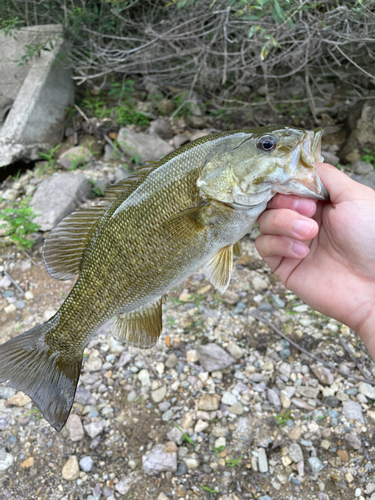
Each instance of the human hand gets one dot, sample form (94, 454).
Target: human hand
(325, 251)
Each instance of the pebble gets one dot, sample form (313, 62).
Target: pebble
(209, 402)
(7, 392)
(192, 461)
(234, 350)
(295, 433)
(262, 460)
(171, 361)
(213, 357)
(75, 428)
(259, 284)
(228, 398)
(200, 426)
(285, 353)
(284, 399)
(353, 441)
(29, 462)
(315, 464)
(191, 356)
(181, 469)
(230, 297)
(124, 485)
(158, 460)
(237, 408)
(86, 464)
(10, 309)
(19, 399)
(367, 390)
(295, 452)
(158, 395)
(323, 374)
(93, 362)
(274, 399)
(353, 411)
(6, 460)
(144, 377)
(308, 392)
(94, 428)
(70, 471)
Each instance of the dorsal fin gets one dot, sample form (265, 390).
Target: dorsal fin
(65, 244)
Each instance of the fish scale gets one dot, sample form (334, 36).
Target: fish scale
(152, 231)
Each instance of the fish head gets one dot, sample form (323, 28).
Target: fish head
(258, 163)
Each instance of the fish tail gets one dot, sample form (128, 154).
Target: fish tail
(30, 366)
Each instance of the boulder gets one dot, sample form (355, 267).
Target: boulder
(146, 146)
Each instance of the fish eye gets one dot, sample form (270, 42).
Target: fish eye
(267, 143)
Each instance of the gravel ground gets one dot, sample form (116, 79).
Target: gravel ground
(222, 408)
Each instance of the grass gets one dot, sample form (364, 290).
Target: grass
(231, 462)
(184, 435)
(282, 420)
(210, 491)
(18, 221)
(218, 450)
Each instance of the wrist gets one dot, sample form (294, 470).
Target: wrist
(366, 330)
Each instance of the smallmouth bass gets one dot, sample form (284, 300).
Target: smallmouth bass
(151, 231)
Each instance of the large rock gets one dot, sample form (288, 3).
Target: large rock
(159, 459)
(146, 146)
(57, 196)
(213, 357)
(362, 135)
(33, 97)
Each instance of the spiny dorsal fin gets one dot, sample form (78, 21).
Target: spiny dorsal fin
(237, 249)
(65, 244)
(219, 268)
(140, 328)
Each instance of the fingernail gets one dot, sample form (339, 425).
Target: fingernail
(300, 249)
(303, 227)
(304, 206)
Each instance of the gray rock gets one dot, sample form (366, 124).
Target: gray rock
(362, 168)
(228, 398)
(158, 460)
(315, 464)
(93, 362)
(57, 196)
(75, 157)
(285, 369)
(6, 460)
(213, 357)
(125, 483)
(366, 181)
(86, 464)
(330, 157)
(158, 395)
(171, 361)
(162, 128)
(148, 147)
(181, 469)
(262, 460)
(353, 440)
(324, 375)
(353, 411)
(191, 461)
(179, 140)
(363, 131)
(295, 453)
(7, 392)
(74, 426)
(234, 350)
(367, 390)
(307, 391)
(277, 302)
(274, 399)
(237, 408)
(84, 397)
(94, 428)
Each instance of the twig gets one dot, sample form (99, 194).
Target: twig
(30, 259)
(81, 113)
(323, 361)
(14, 283)
(353, 358)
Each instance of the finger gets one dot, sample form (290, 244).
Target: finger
(270, 246)
(303, 206)
(285, 222)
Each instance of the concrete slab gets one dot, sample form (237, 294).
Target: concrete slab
(34, 96)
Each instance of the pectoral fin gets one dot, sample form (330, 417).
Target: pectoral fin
(219, 268)
(237, 249)
(140, 328)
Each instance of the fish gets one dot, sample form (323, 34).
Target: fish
(151, 231)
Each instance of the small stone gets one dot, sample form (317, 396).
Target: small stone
(308, 392)
(29, 462)
(353, 440)
(74, 426)
(324, 375)
(187, 420)
(228, 398)
(325, 444)
(234, 350)
(220, 442)
(332, 401)
(6, 459)
(124, 485)
(191, 356)
(262, 460)
(93, 362)
(94, 428)
(181, 469)
(162, 128)
(200, 426)
(362, 168)
(7, 392)
(315, 464)
(115, 346)
(237, 408)
(209, 402)
(295, 452)
(158, 460)
(162, 495)
(259, 284)
(192, 461)
(370, 488)
(285, 400)
(179, 140)
(274, 399)
(353, 411)
(295, 433)
(349, 477)
(19, 399)
(11, 308)
(277, 302)
(70, 471)
(367, 390)
(158, 395)
(286, 461)
(172, 361)
(212, 357)
(75, 157)
(86, 464)
(144, 377)
(230, 297)
(29, 295)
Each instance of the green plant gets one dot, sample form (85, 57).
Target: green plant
(211, 492)
(184, 435)
(18, 223)
(126, 115)
(231, 462)
(218, 450)
(36, 412)
(96, 190)
(50, 157)
(369, 157)
(122, 90)
(35, 50)
(8, 25)
(282, 420)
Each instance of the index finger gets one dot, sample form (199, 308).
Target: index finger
(304, 206)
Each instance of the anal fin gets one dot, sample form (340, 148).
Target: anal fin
(140, 328)
(219, 268)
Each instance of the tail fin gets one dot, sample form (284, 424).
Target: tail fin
(31, 367)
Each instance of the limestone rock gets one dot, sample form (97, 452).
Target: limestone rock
(147, 146)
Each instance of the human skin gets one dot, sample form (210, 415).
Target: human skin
(325, 251)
